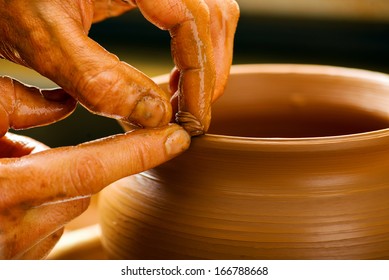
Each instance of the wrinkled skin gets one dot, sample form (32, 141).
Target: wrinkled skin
(42, 189)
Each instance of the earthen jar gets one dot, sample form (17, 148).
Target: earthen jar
(295, 166)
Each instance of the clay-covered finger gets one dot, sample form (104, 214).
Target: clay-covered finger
(188, 22)
(23, 106)
(224, 16)
(112, 88)
(70, 172)
(23, 227)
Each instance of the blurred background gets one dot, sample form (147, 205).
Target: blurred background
(350, 33)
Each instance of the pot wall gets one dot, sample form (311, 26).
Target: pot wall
(294, 197)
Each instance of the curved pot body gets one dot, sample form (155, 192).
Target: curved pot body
(295, 166)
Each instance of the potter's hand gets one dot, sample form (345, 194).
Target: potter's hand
(202, 34)
(43, 189)
(50, 36)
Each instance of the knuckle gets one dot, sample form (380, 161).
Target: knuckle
(97, 85)
(88, 175)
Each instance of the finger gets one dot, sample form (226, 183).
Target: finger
(189, 25)
(224, 15)
(38, 224)
(59, 48)
(12, 145)
(22, 106)
(69, 172)
(43, 248)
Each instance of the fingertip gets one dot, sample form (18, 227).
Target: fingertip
(177, 141)
(151, 111)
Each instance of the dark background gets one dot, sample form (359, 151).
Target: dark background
(259, 39)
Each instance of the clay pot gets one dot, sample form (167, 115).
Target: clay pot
(295, 166)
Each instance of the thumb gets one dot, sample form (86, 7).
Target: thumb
(69, 172)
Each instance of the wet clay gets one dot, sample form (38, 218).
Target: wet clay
(295, 166)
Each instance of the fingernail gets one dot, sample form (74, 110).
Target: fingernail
(151, 112)
(177, 142)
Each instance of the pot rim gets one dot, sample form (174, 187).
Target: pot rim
(303, 69)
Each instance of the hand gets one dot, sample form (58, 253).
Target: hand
(50, 36)
(41, 190)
